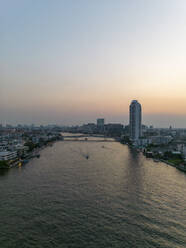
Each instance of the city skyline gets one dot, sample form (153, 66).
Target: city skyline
(69, 62)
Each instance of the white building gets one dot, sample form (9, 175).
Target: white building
(7, 155)
(135, 121)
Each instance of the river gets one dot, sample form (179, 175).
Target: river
(115, 198)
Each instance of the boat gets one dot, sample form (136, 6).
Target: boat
(25, 161)
(156, 160)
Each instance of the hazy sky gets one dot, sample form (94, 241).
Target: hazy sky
(71, 61)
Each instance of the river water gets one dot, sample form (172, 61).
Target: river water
(115, 198)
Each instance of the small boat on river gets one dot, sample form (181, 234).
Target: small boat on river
(156, 160)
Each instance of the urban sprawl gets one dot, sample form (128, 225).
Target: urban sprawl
(20, 143)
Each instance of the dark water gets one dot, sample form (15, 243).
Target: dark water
(116, 198)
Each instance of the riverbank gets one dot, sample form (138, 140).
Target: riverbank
(35, 153)
(170, 162)
(179, 167)
(18, 162)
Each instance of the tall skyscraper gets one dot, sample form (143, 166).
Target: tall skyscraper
(135, 121)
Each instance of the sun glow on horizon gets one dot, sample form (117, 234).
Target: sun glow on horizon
(107, 55)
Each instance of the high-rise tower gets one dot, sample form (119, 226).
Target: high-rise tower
(135, 120)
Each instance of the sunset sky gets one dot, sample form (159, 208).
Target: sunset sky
(71, 61)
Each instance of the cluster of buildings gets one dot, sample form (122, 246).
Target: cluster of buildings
(17, 142)
(168, 145)
(159, 141)
(109, 130)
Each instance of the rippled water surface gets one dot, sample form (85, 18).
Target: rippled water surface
(116, 198)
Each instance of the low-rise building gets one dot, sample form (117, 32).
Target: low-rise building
(158, 140)
(182, 149)
(114, 129)
(7, 155)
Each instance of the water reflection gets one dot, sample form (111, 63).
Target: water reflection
(4, 172)
(116, 198)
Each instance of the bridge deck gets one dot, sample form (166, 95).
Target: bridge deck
(84, 136)
(76, 140)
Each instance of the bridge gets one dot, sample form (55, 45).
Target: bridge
(83, 136)
(89, 140)
(86, 138)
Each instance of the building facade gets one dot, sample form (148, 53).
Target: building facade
(7, 155)
(100, 125)
(135, 121)
(100, 122)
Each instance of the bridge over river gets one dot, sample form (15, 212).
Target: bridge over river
(90, 140)
(87, 138)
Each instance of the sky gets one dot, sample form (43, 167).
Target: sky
(69, 62)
